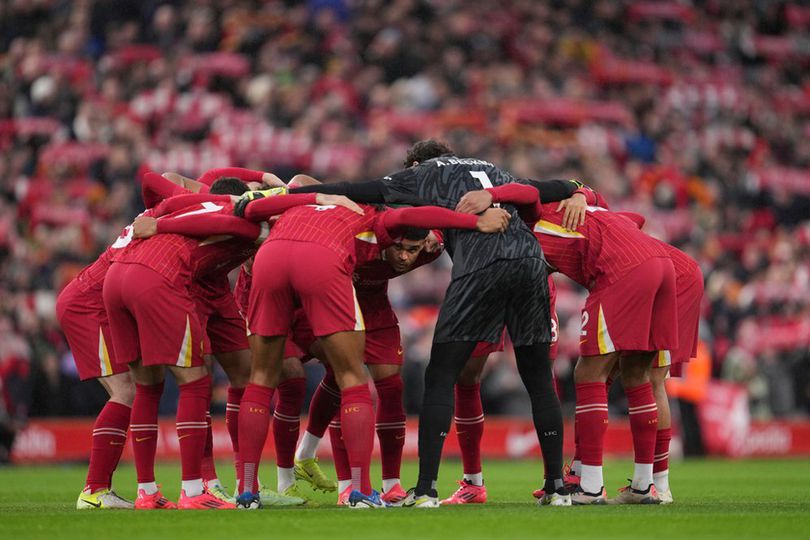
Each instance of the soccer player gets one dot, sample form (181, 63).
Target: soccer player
(81, 314)
(383, 358)
(630, 314)
(689, 291)
(154, 322)
(469, 414)
(497, 281)
(309, 256)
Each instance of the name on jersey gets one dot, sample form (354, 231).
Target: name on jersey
(462, 161)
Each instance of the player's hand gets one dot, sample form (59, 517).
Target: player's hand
(474, 202)
(338, 200)
(494, 220)
(272, 180)
(144, 227)
(432, 244)
(575, 209)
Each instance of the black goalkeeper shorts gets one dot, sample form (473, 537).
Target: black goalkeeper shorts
(508, 292)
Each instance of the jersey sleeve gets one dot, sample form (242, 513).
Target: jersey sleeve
(553, 190)
(361, 192)
(403, 187)
(245, 175)
(392, 223)
(201, 225)
(525, 197)
(179, 202)
(264, 209)
(155, 188)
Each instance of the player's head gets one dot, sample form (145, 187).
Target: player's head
(425, 150)
(402, 255)
(228, 185)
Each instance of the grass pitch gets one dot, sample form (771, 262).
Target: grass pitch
(713, 499)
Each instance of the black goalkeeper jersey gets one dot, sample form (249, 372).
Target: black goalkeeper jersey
(443, 181)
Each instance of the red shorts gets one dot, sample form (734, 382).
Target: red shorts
(639, 312)
(689, 293)
(225, 329)
(151, 318)
(287, 274)
(84, 321)
(384, 346)
(484, 348)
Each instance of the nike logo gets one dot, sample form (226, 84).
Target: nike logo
(91, 503)
(460, 432)
(581, 341)
(141, 439)
(113, 443)
(400, 351)
(184, 436)
(294, 429)
(399, 437)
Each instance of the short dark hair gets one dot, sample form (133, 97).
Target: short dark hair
(415, 234)
(425, 150)
(228, 185)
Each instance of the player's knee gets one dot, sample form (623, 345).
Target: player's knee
(122, 391)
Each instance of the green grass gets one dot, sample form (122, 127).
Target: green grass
(714, 499)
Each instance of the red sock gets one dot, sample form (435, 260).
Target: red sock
(232, 423)
(390, 424)
(109, 438)
(357, 423)
(286, 422)
(195, 399)
(144, 429)
(209, 468)
(325, 404)
(662, 439)
(469, 420)
(254, 421)
(342, 468)
(643, 421)
(592, 421)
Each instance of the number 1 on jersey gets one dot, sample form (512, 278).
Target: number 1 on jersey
(482, 177)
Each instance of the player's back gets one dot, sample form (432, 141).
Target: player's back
(334, 227)
(443, 182)
(603, 249)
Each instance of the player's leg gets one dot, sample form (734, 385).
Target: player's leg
(469, 421)
(590, 375)
(144, 427)
(663, 436)
(344, 350)
(528, 319)
(383, 358)
(270, 312)
(390, 425)
(324, 411)
(109, 439)
(83, 319)
(286, 421)
(643, 411)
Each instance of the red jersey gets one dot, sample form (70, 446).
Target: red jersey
(336, 227)
(599, 252)
(371, 280)
(181, 258)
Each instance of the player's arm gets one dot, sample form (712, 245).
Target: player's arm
(245, 175)
(199, 225)
(264, 208)
(362, 192)
(155, 188)
(179, 202)
(394, 222)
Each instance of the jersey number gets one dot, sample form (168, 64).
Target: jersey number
(482, 177)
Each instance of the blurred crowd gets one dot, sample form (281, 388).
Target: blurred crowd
(696, 114)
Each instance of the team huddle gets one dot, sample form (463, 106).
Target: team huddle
(314, 263)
